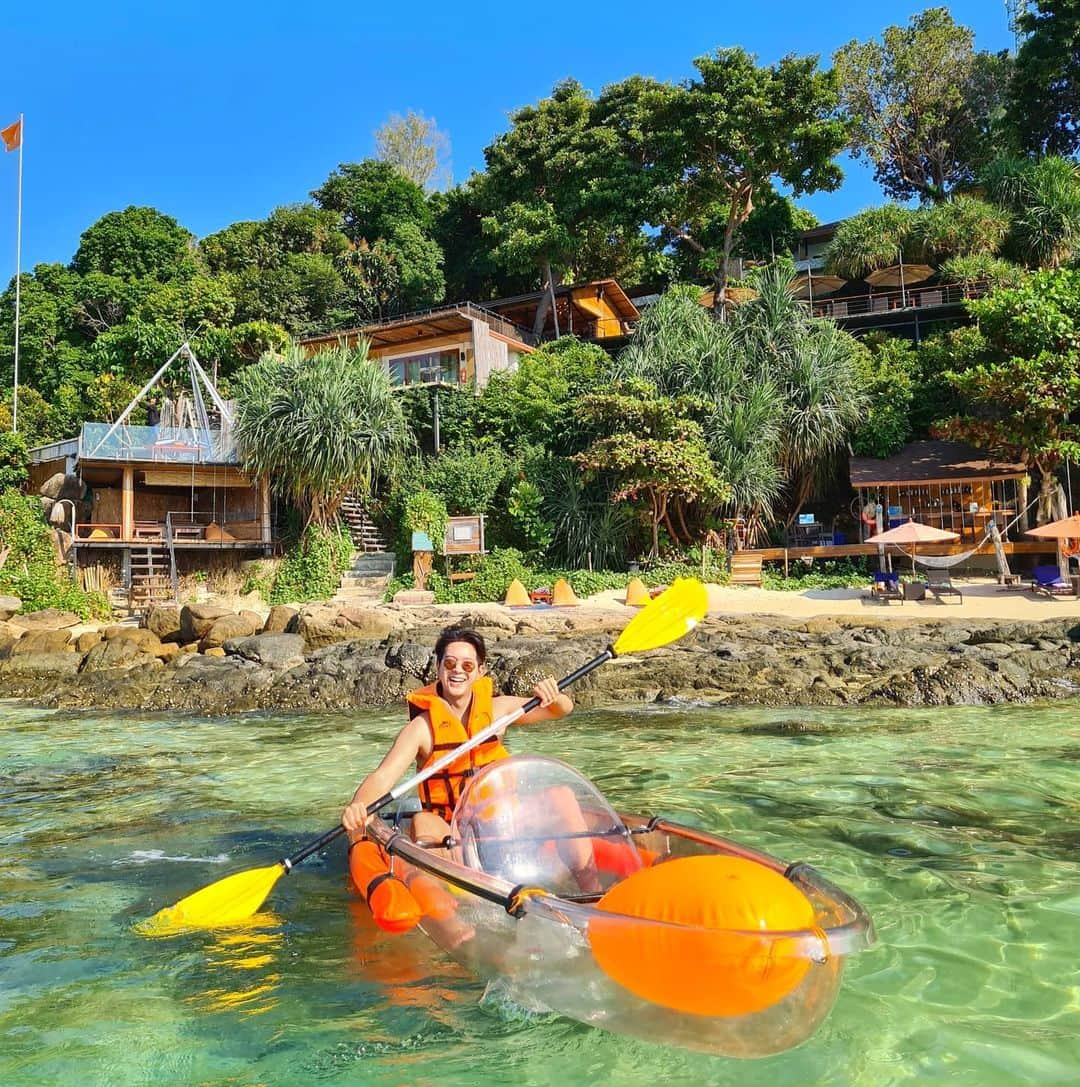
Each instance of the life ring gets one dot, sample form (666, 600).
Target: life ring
(1069, 548)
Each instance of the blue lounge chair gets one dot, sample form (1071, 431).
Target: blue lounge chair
(886, 587)
(1048, 579)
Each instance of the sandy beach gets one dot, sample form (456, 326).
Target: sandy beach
(982, 599)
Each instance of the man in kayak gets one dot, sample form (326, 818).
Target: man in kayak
(441, 717)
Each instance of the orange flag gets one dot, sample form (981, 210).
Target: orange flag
(12, 136)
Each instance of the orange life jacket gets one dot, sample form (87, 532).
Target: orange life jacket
(439, 794)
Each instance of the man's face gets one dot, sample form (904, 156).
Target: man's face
(458, 669)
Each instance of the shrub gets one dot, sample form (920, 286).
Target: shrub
(31, 572)
(311, 569)
(824, 574)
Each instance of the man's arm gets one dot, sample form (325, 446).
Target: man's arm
(402, 755)
(553, 703)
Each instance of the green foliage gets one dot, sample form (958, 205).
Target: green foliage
(1044, 106)
(425, 512)
(889, 384)
(467, 481)
(526, 515)
(588, 529)
(1021, 377)
(136, 243)
(458, 411)
(823, 574)
(927, 109)
(875, 238)
(773, 227)
(693, 159)
(311, 569)
(961, 226)
(319, 426)
(31, 572)
(13, 460)
(1044, 200)
(415, 146)
(534, 405)
(981, 268)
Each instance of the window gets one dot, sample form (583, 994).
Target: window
(423, 369)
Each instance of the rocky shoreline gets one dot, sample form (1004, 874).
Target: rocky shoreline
(212, 661)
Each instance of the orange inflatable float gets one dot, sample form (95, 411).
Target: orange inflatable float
(716, 947)
(390, 901)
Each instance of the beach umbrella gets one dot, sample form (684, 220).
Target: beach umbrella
(808, 285)
(896, 275)
(1066, 532)
(913, 533)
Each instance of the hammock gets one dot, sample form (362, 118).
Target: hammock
(944, 562)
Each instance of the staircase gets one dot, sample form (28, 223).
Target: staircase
(365, 534)
(365, 582)
(151, 578)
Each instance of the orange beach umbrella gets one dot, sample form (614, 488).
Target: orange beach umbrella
(1068, 528)
(913, 533)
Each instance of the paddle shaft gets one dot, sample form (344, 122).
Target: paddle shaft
(409, 784)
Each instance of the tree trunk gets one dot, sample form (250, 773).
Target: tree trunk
(742, 204)
(1022, 502)
(679, 509)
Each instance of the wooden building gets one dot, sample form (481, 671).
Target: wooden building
(948, 485)
(454, 345)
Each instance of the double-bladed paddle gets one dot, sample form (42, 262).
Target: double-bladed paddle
(235, 898)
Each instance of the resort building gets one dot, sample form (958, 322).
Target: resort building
(464, 343)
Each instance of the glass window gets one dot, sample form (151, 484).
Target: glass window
(429, 367)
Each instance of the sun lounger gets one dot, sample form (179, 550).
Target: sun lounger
(1048, 579)
(940, 584)
(886, 587)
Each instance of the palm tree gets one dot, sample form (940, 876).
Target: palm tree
(318, 427)
(1044, 200)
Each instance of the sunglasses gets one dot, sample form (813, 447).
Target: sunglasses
(451, 664)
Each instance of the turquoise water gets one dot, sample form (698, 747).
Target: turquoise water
(957, 828)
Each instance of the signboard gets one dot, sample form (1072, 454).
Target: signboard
(464, 536)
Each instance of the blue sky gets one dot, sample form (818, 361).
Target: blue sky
(220, 112)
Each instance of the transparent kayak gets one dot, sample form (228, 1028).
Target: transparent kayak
(636, 925)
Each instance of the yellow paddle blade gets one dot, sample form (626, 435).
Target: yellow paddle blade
(675, 612)
(230, 901)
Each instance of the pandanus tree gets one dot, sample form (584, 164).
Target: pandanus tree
(318, 426)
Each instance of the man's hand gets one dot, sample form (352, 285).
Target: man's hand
(547, 690)
(355, 817)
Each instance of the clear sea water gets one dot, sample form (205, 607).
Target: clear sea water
(959, 829)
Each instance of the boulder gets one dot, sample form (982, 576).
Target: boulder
(9, 605)
(164, 621)
(190, 648)
(48, 619)
(321, 625)
(44, 664)
(277, 622)
(35, 642)
(227, 627)
(88, 639)
(145, 640)
(214, 651)
(197, 619)
(168, 651)
(414, 597)
(117, 653)
(411, 658)
(279, 651)
(253, 617)
(62, 486)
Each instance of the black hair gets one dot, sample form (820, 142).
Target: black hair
(460, 634)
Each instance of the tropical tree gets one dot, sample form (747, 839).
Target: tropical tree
(962, 226)
(134, 243)
(318, 427)
(415, 145)
(1044, 105)
(1019, 374)
(875, 238)
(654, 451)
(694, 159)
(926, 107)
(1043, 198)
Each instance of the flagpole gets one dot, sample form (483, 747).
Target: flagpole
(18, 285)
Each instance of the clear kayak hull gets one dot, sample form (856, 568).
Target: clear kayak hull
(735, 991)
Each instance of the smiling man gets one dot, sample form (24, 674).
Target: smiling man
(443, 716)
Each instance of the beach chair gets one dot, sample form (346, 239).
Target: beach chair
(1048, 579)
(886, 587)
(940, 584)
